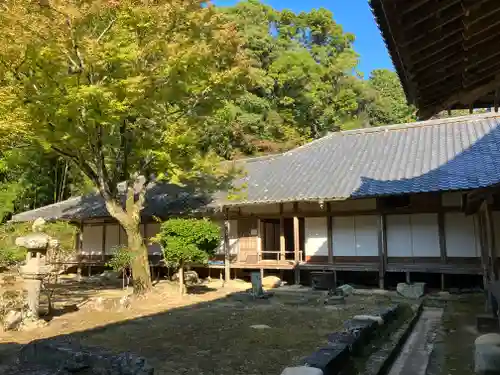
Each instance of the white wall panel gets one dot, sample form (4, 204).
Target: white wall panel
(365, 231)
(461, 236)
(123, 237)
(315, 230)
(398, 232)
(425, 235)
(415, 235)
(112, 238)
(344, 240)
(92, 239)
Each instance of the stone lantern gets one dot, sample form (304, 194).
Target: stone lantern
(36, 267)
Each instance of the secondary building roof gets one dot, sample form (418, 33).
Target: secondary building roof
(444, 51)
(459, 153)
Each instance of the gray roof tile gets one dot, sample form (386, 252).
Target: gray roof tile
(438, 155)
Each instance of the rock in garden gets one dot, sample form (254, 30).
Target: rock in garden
(271, 282)
(302, 370)
(69, 358)
(487, 354)
(260, 326)
(12, 320)
(110, 275)
(345, 290)
(375, 318)
(335, 300)
(412, 291)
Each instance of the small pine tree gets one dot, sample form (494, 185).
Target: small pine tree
(187, 241)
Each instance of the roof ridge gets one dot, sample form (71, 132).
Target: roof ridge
(418, 124)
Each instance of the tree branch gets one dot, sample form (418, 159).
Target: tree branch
(106, 30)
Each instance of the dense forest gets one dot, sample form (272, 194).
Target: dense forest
(302, 83)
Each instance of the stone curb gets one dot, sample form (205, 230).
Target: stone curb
(397, 346)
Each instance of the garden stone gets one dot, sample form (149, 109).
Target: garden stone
(334, 300)
(67, 358)
(12, 320)
(329, 360)
(411, 291)
(341, 339)
(271, 282)
(377, 319)
(260, 326)
(345, 290)
(302, 370)
(487, 354)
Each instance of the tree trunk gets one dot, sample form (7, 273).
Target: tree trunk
(181, 279)
(130, 221)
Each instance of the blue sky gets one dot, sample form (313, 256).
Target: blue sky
(355, 16)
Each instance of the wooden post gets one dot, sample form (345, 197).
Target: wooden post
(442, 238)
(282, 235)
(495, 101)
(490, 235)
(296, 243)
(484, 262)
(443, 285)
(259, 240)
(329, 231)
(408, 279)
(227, 248)
(382, 250)
(103, 255)
(296, 240)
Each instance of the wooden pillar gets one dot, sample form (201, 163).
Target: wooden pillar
(443, 285)
(296, 243)
(282, 235)
(495, 100)
(484, 261)
(408, 279)
(227, 248)
(329, 231)
(382, 249)
(259, 240)
(103, 242)
(490, 235)
(296, 235)
(442, 238)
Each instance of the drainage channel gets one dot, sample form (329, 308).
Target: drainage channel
(414, 356)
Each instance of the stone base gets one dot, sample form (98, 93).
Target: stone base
(486, 323)
(487, 354)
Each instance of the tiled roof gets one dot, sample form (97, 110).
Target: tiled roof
(459, 153)
(436, 155)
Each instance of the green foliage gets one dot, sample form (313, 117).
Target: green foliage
(188, 240)
(390, 105)
(121, 259)
(10, 253)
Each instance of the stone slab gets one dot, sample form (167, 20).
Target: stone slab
(329, 360)
(487, 354)
(302, 370)
(487, 323)
(342, 339)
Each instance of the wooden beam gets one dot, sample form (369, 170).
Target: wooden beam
(329, 231)
(442, 237)
(227, 248)
(282, 234)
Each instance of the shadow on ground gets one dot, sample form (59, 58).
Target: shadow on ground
(212, 337)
